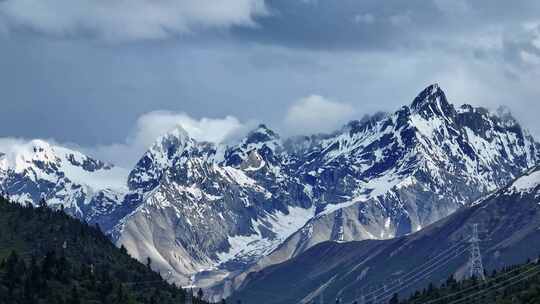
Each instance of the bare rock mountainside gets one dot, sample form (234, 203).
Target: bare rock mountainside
(212, 213)
(508, 221)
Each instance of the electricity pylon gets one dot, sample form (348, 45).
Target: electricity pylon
(337, 230)
(475, 264)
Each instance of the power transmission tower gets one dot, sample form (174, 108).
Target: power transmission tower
(475, 263)
(337, 230)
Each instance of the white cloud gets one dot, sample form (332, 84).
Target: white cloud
(148, 128)
(315, 113)
(154, 124)
(127, 19)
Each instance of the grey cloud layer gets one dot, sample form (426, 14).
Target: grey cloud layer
(255, 61)
(126, 20)
(372, 24)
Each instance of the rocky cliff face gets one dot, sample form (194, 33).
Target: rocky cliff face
(203, 205)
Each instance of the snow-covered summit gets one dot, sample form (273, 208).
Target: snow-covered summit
(261, 143)
(261, 134)
(431, 94)
(35, 169)
(38, 159)
(163, 153)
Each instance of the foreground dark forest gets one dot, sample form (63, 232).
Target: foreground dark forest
(518, 284)
(48, 257)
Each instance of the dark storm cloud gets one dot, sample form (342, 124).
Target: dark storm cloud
(376, 25)
(120, 20)
(281, 63)
(336, 24)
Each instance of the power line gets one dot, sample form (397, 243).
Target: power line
(417, 269)
(422, 272)
(501, 283)
(417, 274)
(424, 276)
(472, 288)
(476, 268)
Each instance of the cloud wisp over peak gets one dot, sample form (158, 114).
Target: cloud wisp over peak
(150, 126)
(316, 114)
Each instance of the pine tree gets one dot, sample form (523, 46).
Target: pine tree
(74, 297)
(48, 265)
(149, 263)
(200, 294)
(123, 249)
(394, 299)
(42, 203)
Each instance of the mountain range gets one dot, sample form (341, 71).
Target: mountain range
(214, 214)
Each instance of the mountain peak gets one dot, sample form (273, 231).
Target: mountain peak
(175, 135)
(432, 100)
(177, 132)
(430, 94)
(261, 134)
(171, 144)
(21, 155)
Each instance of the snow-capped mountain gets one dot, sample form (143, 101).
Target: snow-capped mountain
(215, 210)
(211, 213)
(397, 173)
(204, 205)
(87, 188)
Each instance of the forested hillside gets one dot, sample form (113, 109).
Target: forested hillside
(48, 257)
(514, 285)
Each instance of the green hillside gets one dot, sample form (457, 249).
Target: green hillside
(48, 257)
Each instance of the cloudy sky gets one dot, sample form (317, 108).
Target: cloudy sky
(110, 76)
